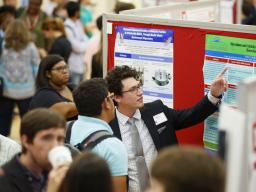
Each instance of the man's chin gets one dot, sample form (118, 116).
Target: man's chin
(140, 105)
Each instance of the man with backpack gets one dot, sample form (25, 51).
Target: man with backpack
(91, 130)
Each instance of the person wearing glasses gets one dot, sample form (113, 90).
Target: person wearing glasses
(53, 90)
(95, 110)
(147, 128)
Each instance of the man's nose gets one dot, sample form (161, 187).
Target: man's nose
(140, 91)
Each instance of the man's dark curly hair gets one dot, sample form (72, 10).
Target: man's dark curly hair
(116, 75)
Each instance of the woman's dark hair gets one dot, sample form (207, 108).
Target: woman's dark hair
(88, 172)
(46, 64)
(99, 22)
(72, 8)
(122, 6)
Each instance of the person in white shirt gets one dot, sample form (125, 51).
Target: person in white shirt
(78, 40)
(8, 148)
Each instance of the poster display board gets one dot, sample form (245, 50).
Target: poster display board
(187, 57)
(239, 55)
(240, 144)
(149, 51)
(232, 122)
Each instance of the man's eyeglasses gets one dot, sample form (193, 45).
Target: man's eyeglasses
(61, 69)
(134, 89)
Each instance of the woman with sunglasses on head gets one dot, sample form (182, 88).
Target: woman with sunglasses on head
(53, 90)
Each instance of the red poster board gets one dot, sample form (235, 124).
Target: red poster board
(188, 85)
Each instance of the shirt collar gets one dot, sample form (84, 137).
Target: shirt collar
(123, 118)
(92, 120)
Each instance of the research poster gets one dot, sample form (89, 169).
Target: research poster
(150, 52)
(239, 55)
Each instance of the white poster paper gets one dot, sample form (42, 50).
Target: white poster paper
(150, 52)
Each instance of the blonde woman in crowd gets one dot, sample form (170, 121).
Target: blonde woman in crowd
(18, 68)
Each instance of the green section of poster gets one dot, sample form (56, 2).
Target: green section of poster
(231, 45)
(239, 55)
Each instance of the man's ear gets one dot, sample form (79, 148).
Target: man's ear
(24, 141)
(117, 98)
(106, 104)
(47, 73)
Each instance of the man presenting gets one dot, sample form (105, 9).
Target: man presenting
(145, 129)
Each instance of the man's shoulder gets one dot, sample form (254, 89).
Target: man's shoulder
(14, 177)
(68, 23)
(154, 105)
(114, 152)
(12, 166)
(112, 143)
(110, 147)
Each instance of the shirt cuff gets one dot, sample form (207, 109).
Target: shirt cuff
(212, 99)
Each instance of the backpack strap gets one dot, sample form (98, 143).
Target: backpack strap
(68, 131)
(93, 139)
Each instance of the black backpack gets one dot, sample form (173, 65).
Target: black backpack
(89, 142)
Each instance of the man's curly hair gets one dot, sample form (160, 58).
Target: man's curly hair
(116, 75)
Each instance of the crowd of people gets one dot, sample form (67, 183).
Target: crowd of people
(28, 35)
(55, 80)
(122, 160)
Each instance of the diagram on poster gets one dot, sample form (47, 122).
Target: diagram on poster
(239, 55)
(150, 52)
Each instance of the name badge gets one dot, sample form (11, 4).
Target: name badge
(160, 118)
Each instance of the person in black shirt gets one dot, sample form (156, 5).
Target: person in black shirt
(53, 90)
(40, 131)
